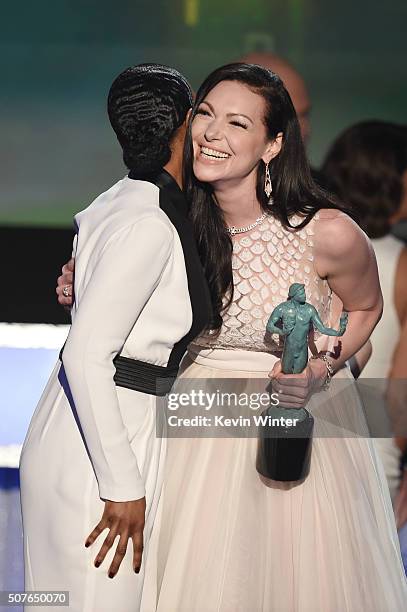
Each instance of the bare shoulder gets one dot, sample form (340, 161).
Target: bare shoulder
(336, 234)
(327, 214)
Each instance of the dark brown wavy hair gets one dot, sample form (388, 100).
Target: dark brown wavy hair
(364, 167)
(294, 190)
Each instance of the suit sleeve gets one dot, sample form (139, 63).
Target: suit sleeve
(128, 271)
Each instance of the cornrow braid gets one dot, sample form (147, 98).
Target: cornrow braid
(147, 103)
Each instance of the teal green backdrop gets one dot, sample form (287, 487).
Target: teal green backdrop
(59, 57)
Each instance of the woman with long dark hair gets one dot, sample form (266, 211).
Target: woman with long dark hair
(229, 539)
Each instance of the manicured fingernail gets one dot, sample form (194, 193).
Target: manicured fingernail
(111, 575)
(137, 570)
(97, 563)
(87, 544)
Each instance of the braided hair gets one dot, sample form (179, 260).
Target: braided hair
(146, 104)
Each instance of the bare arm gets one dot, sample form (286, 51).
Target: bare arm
(400, 289)
(344, 256)
(396, 394)
(363, 356)
(399, 362)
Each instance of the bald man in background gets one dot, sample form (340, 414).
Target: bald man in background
(293, 82)
(297, 89)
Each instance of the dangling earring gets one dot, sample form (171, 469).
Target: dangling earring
(268, 187)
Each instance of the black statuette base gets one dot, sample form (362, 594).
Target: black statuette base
(284, 453)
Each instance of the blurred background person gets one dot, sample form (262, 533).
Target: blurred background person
(302, 101)
(366, 167)
(293, 82)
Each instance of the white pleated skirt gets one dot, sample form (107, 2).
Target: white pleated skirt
(226, 540)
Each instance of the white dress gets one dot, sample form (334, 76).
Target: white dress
(230, 541)
(384, 339)
(89, 439)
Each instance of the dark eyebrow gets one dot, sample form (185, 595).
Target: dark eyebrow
(229, 114)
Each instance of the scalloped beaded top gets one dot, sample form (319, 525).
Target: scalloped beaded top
(265, 262)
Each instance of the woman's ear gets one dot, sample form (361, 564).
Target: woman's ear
(273, 148)
(188, 117)
(178, 138)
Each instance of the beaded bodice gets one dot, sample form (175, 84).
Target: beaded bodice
(265, 262)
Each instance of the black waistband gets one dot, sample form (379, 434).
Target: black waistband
(144, 377)
(141, 376)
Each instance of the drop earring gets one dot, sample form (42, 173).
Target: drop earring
(268, 188)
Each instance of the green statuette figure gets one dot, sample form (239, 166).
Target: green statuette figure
(285, 453)
(297, 316)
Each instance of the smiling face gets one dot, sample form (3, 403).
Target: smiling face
(229, 135)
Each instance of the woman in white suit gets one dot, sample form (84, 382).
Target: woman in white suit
(91, 460)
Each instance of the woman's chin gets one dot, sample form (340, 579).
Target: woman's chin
(207, 173)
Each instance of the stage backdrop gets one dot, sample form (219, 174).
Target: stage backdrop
(58, 59)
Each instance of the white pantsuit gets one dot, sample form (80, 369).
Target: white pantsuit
(140, 293)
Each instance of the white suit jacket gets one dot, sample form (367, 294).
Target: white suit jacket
(139, 291)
